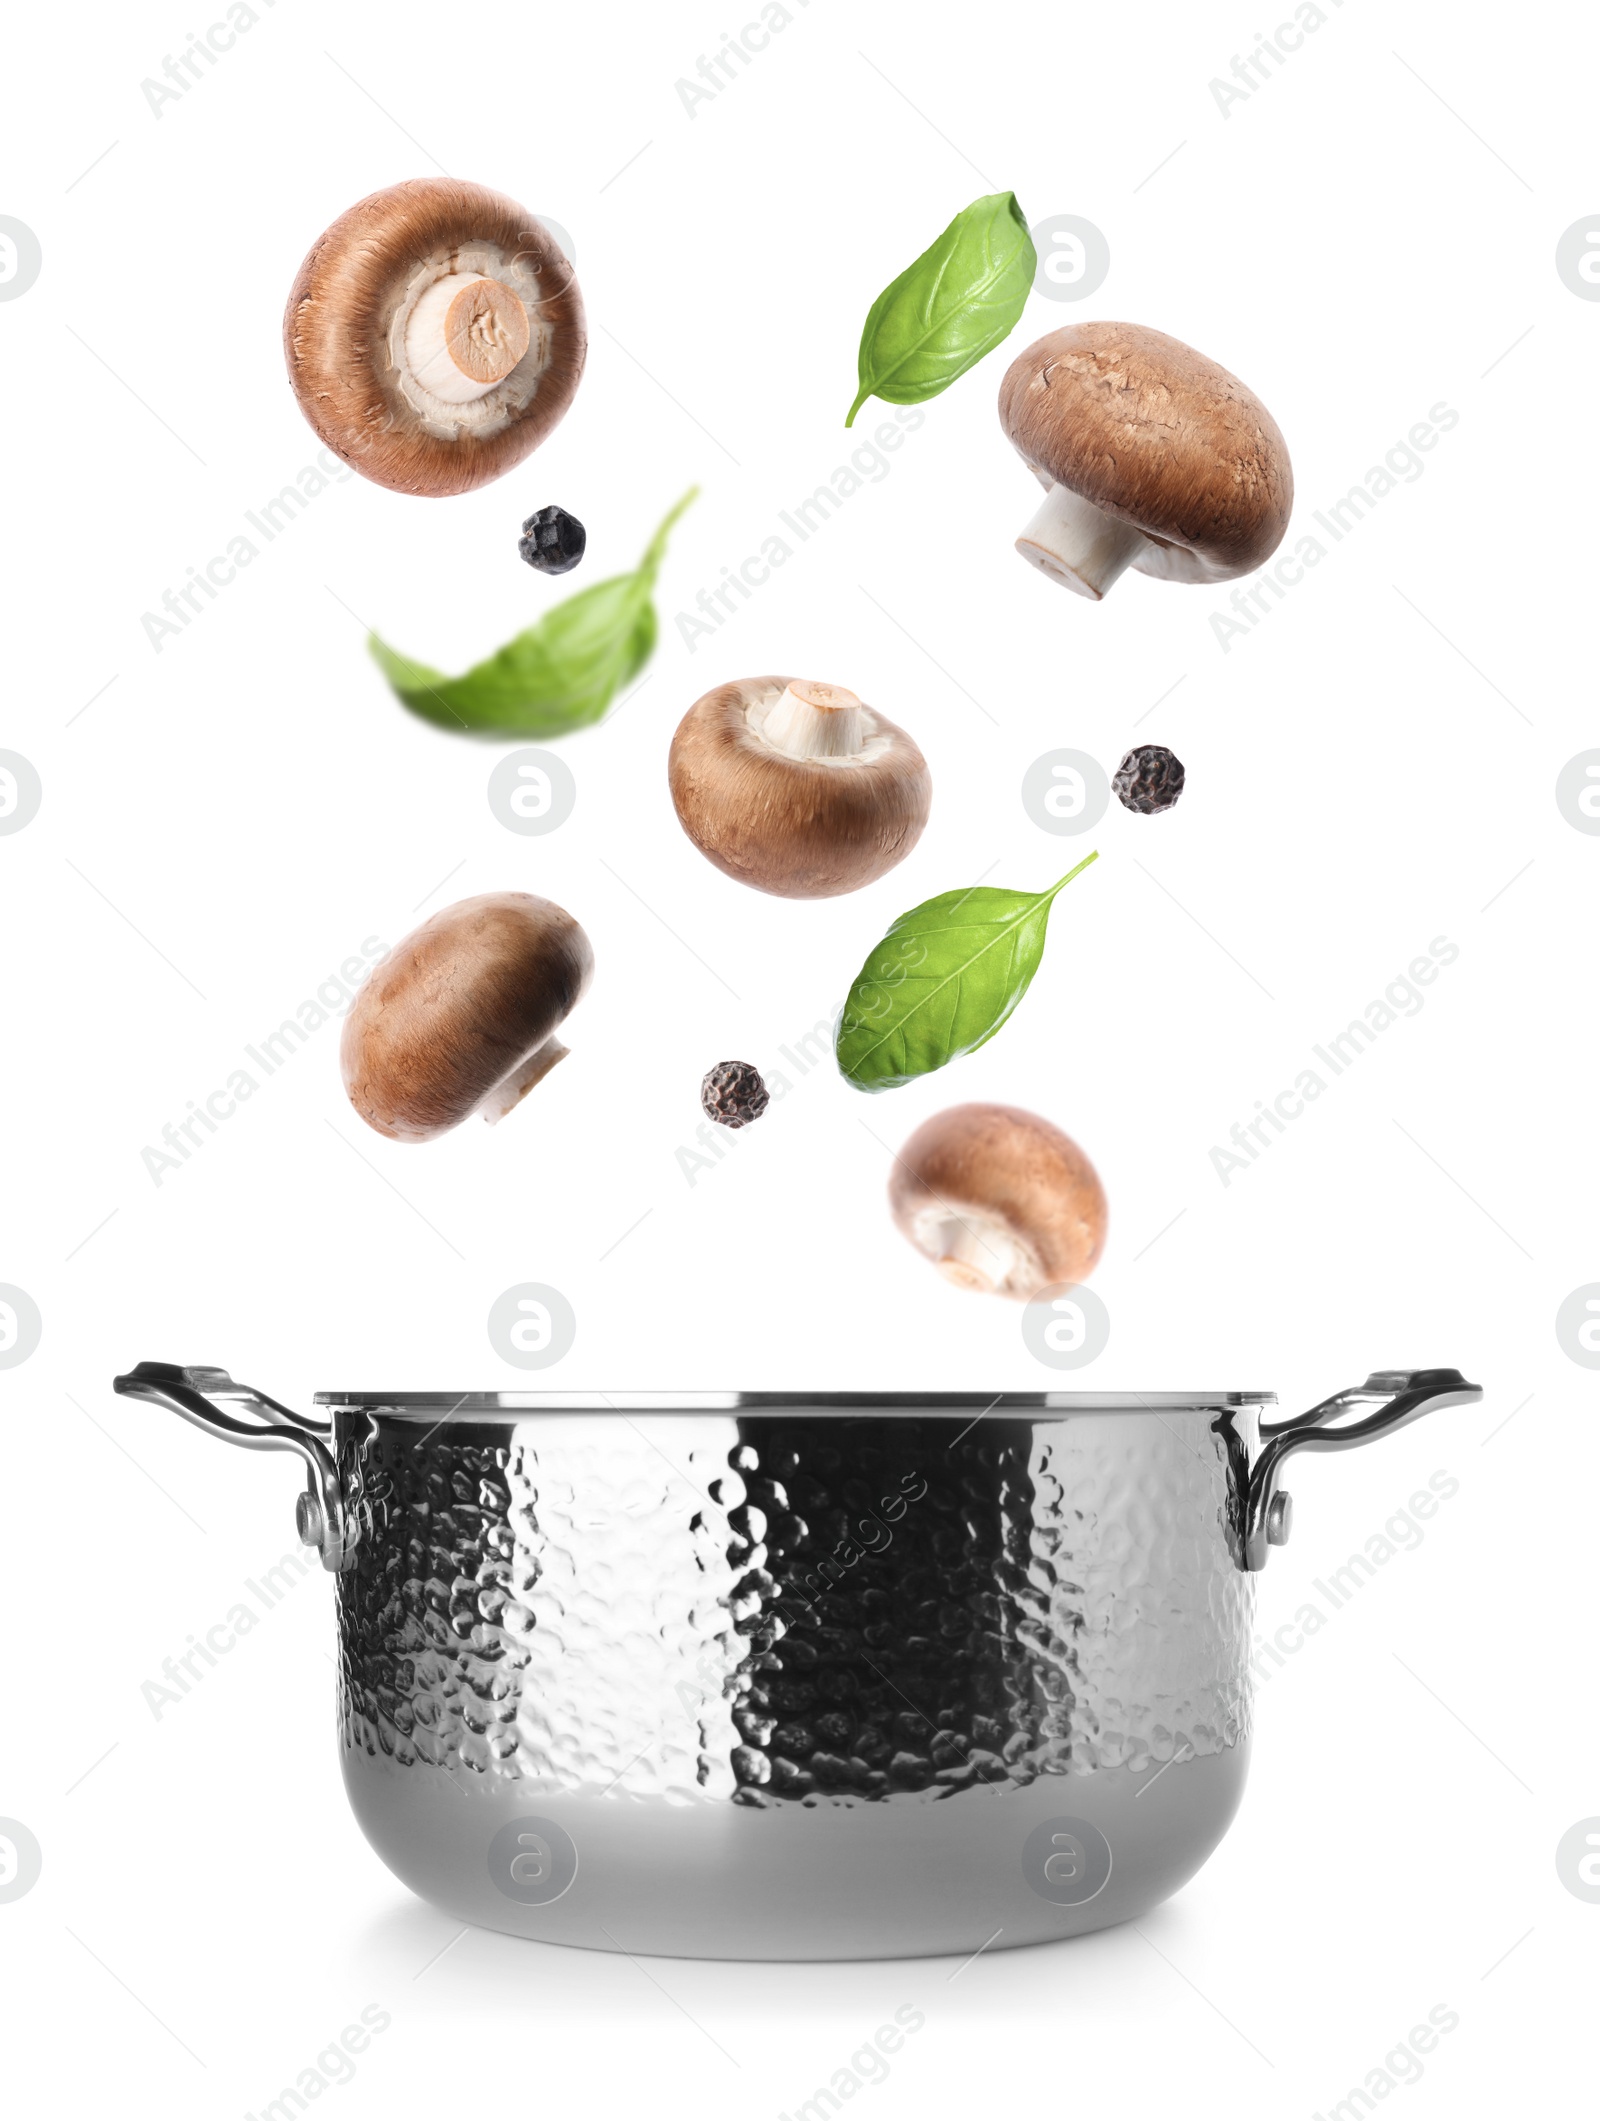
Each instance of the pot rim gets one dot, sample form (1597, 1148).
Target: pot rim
(475, 1406)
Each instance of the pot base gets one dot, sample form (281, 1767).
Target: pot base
(914, 1876)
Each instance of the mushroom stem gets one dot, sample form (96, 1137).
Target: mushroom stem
(973, 1253)
(509, 1093)
(812, 721)
(1076, 543)
(465, 335)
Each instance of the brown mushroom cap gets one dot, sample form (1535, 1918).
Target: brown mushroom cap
(344, 334)
(461, 1015)
(799, 827)
(999, 1199)
(1156, 436)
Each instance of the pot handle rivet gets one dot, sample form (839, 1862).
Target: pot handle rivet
(309, 1523)
(1280, 1518)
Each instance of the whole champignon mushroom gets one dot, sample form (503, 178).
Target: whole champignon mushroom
(1000, 1200)
(434, 335)
(797, 788)
(461, 1017)
(1152, 457)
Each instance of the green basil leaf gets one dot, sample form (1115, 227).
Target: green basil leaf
(950, 308)
(942, 982)
(561, 674)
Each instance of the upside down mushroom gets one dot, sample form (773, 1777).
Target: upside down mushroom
(1000, 1200)
(461, 1017)
(1151, 457)
(797, 788)
(434, 335)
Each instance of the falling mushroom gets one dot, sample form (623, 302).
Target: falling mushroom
(797, 788)
(1151, 456)
(999, 1199)
(461, 1017)
(434, 335)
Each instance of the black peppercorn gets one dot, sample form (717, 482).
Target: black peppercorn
(733, 1094)
(552, 541)
(1150, 778)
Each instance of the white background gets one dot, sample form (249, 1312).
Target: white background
(1368, 235)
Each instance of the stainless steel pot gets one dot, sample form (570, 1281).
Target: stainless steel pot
(779, 1676)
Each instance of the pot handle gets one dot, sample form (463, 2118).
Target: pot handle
(1400, 1396)
(197, 1393)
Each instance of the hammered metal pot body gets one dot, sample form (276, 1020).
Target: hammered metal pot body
(794, 1684)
